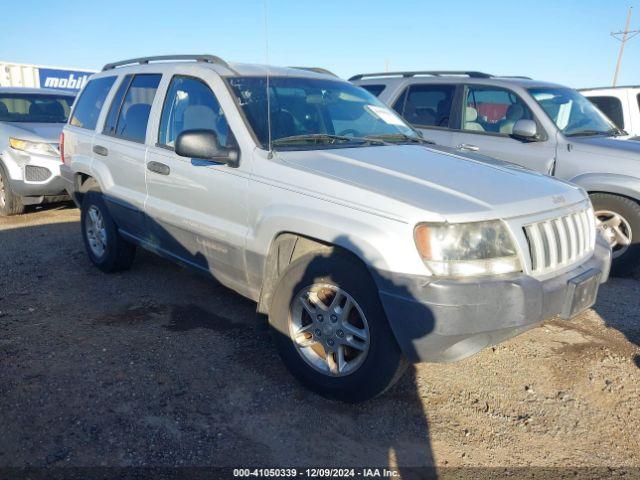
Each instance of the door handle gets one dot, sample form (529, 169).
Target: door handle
(159, 168)
(100, 150)
(466, 146)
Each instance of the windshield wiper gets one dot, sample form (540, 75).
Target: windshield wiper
(402, 137)
(317, 138)
(590, 133)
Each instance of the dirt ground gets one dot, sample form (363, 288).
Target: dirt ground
(160, 366)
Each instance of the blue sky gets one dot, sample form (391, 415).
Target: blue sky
(566, 41)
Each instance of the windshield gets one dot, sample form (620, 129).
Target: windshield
(572, 113)
(34, 108)
(317, 113)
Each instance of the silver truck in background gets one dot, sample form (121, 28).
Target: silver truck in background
(31, 121)
(542, 126)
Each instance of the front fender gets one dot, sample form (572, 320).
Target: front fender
(609, 183)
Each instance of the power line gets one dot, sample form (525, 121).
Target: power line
(623, 37)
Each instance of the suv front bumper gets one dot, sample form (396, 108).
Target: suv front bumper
(445, 320)
(34, 177)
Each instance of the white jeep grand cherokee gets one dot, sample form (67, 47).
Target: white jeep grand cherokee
(366, 246)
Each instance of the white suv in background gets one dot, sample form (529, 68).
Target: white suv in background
(620, 104)
(365, 245)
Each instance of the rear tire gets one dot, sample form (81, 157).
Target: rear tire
(10, 203)
(106, 248)
(619, 219)
(352, 375)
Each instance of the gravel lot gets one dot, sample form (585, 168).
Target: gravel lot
(160, 366)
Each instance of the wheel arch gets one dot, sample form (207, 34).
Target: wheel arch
(612, 183)
(286, 248)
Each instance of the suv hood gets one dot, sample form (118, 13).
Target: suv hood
(449, 185)
(37, 132)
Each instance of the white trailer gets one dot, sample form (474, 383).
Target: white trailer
(42, 76)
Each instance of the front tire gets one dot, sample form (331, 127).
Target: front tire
(331, 331)
(619, 220)
(106, 248)
(10, 203)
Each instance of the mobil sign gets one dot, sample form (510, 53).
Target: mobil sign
(63, 79)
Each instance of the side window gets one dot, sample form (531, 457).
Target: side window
(116, 104)
(190, 104)
(374, 89)
(492, 110)
(87, 109)
(426, 105)
(611, 107)
(134, 110)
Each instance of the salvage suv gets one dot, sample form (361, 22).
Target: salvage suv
(366, 246)
(539, 125)
(30, 124)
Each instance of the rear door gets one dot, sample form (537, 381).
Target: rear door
(196, 208)
(80, 131)
(121, 150)
(486, 119)
(428, 108)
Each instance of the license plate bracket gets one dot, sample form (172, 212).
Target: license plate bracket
(582, 292)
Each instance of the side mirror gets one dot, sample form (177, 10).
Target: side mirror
(204, 144)
(525, 130)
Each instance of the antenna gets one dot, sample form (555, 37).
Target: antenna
(266, 52)
(626, 36)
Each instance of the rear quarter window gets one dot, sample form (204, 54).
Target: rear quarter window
(87, 109)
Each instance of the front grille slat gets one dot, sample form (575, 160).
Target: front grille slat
(558, 242)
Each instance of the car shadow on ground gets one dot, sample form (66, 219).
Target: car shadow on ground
(161, 366)
(616, 313)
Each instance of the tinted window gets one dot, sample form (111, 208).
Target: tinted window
(116, 103)
(374, 89)
(611, 107)
(190, 104)
(136, 107)
(34, 108)
(87, 109)
(427, 105)
(492, 110)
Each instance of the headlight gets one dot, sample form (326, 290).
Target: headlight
(467, 249)
(36, 148)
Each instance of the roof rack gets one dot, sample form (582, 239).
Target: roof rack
(521, 77)
(145, 60)
(434, 73)
(316, 70)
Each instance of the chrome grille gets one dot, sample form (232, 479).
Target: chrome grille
(33, 173)
(558, 242)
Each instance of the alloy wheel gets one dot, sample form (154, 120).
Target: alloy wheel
(329, 329)
(96, 231)
(616, 230)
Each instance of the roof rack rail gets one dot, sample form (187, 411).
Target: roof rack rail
(521, 77)
(435, 73)
(160, 58)
(316, 70)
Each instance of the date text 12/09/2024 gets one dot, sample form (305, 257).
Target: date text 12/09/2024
(316, 472)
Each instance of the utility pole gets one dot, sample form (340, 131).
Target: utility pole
(623, 37)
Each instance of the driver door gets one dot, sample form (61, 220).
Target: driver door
(196, 208)
(486, 125)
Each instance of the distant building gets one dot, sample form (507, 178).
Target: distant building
(41, 76)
